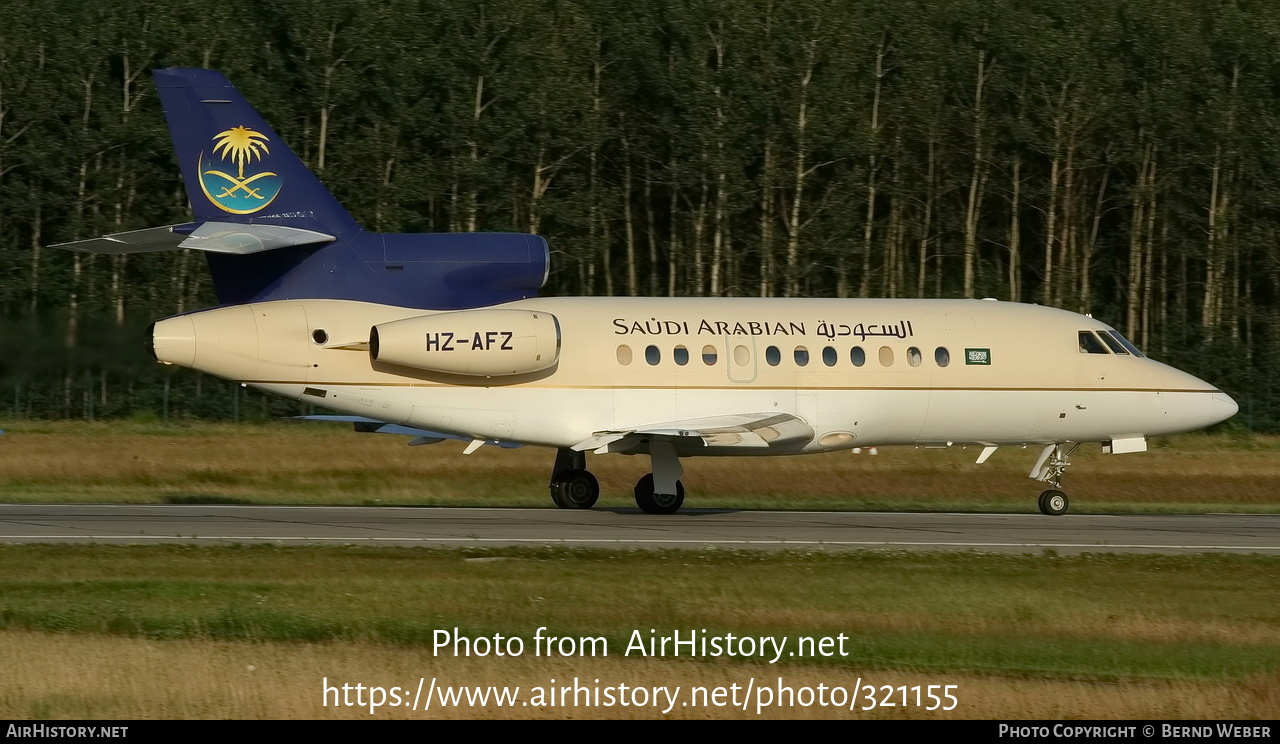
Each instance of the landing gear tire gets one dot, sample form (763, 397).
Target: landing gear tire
(1054, 502)
(575, 489)
(652, 503)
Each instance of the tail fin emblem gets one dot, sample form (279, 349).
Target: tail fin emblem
(238, 194)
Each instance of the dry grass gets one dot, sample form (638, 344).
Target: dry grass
(76, 677)
(289, 463)
(1082, 624)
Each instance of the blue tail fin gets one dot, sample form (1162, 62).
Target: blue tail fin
(271, 231)
(236, 168)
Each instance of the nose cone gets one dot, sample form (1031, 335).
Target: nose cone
(1223, 408)
(1191, 403)
(173, 341)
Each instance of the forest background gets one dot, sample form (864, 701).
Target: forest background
(1111, 157)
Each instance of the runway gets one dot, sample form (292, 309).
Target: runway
(630, 529)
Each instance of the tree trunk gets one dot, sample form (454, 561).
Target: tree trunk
(633, 280)
(1050, 229)
(976, 178)
(794, 225)
(1015, 232)
(1137, 240)
(473, 198)
(651, 232)
(926, 231)
(873, 166)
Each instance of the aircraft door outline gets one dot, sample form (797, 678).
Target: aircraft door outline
(740, 373)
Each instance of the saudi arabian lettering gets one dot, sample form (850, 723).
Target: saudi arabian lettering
(486, 341)
(826, 329)
(901, 329)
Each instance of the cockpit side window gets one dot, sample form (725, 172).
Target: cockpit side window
(1123, 342)
(1089, 343)
(1115, 346)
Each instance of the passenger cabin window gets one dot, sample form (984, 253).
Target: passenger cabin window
(829, 356)
(801, 356)
(741, 356)
(886, 356)
(652, 355)
(914, 357)
(1089, 344)
(681, 356)
(857, 356)
(1114, 345)
(1124, 342)
(773, 356)
(942, 356)
(624, 355)
(709, 355)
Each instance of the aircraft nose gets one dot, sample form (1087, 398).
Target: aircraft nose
(1191, 403)
(1224, 407)
(1198, 410)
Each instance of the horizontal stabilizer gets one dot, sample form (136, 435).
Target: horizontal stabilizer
(213, 237)
(228, 237)
(135, 241)
(421, 436)
(759, 430)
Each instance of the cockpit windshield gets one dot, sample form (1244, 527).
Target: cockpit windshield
(1124, 342)
(1115, 346)
(1089, 344)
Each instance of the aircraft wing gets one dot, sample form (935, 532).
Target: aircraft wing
(759, 430)
(420, 436)
(213, 237)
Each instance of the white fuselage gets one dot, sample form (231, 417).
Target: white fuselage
(1013, 373)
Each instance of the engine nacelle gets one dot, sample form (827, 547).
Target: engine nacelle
(486, 343)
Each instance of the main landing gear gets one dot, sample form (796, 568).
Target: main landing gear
(657, 503)
(659, 492)
(572, 486)
(1049, 468)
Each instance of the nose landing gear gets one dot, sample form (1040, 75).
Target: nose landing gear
(1053, 502)
(1049, 468)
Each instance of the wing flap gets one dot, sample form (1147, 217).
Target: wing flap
(368, 425)
(753, 430)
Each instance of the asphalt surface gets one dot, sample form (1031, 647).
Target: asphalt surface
(631, 529)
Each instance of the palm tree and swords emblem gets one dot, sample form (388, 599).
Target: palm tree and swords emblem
(238, 193)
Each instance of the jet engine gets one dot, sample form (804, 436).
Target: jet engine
(488, 343)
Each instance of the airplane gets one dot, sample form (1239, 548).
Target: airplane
(443, 336)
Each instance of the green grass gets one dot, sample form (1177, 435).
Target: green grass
(1092, 617)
